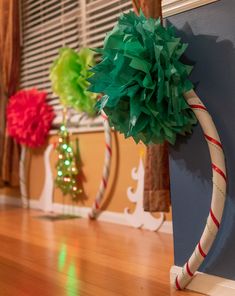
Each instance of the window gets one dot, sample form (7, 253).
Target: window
(48, 25)
(171, 7)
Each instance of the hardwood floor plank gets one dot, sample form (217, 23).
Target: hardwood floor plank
(81, 257)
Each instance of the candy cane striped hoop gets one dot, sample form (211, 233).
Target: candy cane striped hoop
(106, 169)
(218, 195)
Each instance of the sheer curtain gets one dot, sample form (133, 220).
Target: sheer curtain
(9, 79)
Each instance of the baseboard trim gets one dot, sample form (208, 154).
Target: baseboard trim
(166, 227)
(207, 284)
(105, 216)
(10, 200)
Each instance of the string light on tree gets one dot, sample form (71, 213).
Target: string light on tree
(67, 165)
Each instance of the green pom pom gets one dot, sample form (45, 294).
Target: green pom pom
(143, 81)
(69, 74)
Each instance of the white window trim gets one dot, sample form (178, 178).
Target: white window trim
(171, 7)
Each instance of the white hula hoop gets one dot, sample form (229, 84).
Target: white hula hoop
(22, 169)
(106, 170)
(218, 195)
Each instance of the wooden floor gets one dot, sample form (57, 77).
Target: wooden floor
(81, 257)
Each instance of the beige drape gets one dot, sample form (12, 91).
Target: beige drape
(9, 79)
(157, 181)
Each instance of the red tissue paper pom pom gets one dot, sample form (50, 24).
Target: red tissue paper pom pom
(29, 117)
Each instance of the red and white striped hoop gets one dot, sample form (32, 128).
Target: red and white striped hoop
(106, 169)
(218, 195)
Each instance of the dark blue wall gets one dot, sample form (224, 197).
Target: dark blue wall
(210, 33)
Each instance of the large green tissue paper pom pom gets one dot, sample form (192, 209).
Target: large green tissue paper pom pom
(69, 76)
(143, 81)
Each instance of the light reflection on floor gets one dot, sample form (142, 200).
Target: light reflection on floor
(68, 266)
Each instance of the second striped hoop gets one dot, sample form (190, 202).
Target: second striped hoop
(106, 170)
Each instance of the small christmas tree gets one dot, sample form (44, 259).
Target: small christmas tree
(67, 165)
